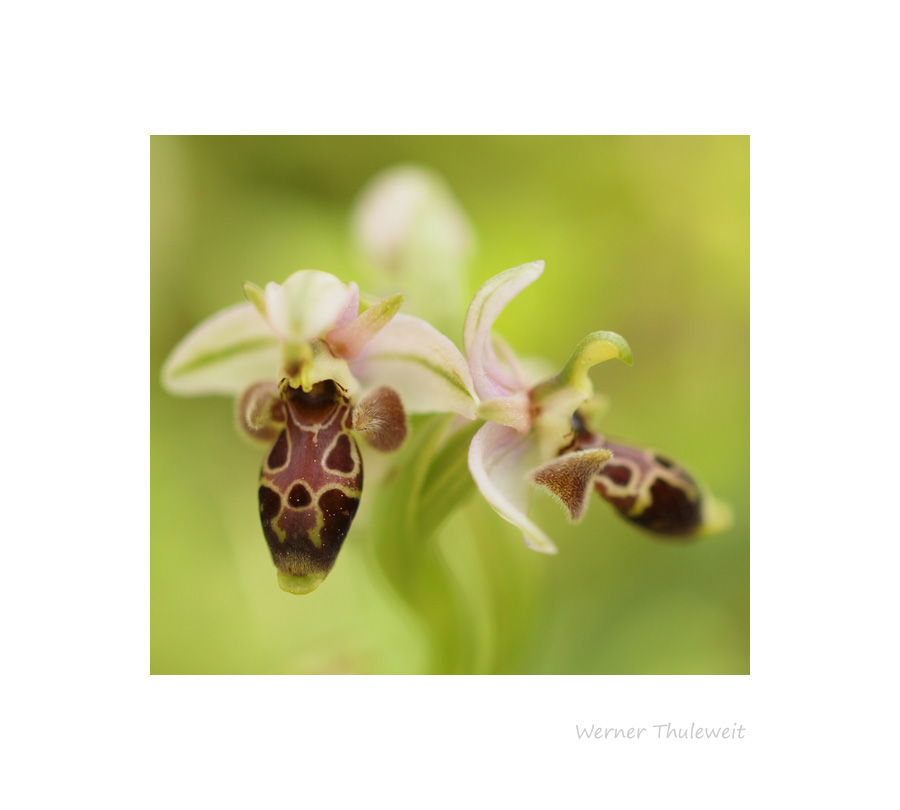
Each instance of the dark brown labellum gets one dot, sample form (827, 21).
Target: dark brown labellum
(311, 482)
(647, 489)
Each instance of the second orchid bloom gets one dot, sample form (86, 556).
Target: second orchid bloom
(545, 434)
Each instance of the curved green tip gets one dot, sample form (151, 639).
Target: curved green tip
(597, 347)
(299, 585)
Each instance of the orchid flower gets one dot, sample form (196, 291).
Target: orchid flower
(542, 434)
(410, 228)
(310, 371)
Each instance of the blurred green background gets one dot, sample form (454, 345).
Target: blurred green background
(644, 236)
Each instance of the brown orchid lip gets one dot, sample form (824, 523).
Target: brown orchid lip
(648, 490)
(310, 485)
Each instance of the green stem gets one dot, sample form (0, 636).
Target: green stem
(404, 529)
(481, 623)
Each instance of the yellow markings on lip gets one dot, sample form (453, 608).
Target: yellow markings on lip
(315, 534)
(659, 473)
(306, 532)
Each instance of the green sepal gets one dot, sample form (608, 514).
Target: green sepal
(349, 340)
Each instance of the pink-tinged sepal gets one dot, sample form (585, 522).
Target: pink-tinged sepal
(310, 485)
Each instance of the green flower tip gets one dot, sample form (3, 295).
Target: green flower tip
(256, 297)
(386, 307)
(299, 585)
(598, 347)
(717, 516)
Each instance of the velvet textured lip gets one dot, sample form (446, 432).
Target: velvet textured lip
(311, 372)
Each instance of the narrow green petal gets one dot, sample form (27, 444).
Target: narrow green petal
(349, 340)
(256, 296)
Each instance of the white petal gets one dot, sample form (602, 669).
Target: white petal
(308, 304)
(500, 460)
(489, 376)
(421, 364)
(223, 355)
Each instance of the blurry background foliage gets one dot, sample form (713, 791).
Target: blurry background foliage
(645, 236)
